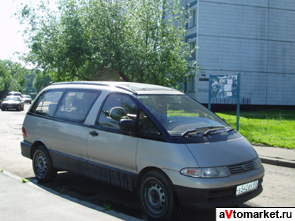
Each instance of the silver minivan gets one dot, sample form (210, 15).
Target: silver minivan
(146, 138)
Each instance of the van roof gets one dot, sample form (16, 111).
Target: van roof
(136, 88)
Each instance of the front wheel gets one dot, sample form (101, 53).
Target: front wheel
(157, 196)
(42, 165)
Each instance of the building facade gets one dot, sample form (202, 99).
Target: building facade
(253, 37)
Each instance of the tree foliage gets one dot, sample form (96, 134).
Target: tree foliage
(41, 80)
(130, 40)
(12, 77)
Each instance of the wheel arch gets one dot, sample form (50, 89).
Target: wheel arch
(146, 170)
(35, 145)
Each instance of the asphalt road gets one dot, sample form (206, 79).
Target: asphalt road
(278, 181)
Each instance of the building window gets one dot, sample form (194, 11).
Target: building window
(190, 84)
(193, 18)
(193, 50)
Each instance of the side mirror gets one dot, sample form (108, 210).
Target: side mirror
(127, 124)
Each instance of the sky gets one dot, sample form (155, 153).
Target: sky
(10, 40)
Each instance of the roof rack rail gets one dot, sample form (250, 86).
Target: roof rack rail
(81, 82)
(96, 83)
(125, 88)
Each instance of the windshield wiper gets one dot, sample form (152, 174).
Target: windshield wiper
(213, 131)
(207, 130)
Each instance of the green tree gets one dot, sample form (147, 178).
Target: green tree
(41, 80)
(130, 40)
(4, 74)
(29, 78)
(12, 77)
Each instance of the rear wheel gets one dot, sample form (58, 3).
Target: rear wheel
(157, 196)
(42, 165)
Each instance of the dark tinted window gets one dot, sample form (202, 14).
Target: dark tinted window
(145, 125)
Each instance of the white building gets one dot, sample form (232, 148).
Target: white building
(253, 37)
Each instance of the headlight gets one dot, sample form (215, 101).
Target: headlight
(257, 163)
(205, 172)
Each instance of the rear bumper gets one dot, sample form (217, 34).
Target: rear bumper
(191, 198)
(26, 149)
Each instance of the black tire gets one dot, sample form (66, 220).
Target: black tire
(157, 196)
(42, 165)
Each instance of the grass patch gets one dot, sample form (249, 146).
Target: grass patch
(24, 180)
(272, 127)
(107, 206)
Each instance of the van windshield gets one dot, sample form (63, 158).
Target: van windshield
(180, 114)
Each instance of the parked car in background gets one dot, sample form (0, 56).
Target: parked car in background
(12, 102)
(26, 98)
(146, 138)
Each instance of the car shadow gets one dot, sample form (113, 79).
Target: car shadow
(72, 186)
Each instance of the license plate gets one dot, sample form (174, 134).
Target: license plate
(247, 187)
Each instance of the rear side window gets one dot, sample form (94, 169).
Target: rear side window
(47, 103)
(76, 104)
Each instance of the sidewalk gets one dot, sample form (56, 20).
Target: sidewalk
(27, 201)
(276, 156)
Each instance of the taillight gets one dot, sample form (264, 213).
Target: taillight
(24, 132)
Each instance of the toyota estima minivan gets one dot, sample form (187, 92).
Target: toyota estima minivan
(146, 138)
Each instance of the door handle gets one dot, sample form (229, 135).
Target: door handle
(94, 133)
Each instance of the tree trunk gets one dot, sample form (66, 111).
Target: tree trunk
(122, 75)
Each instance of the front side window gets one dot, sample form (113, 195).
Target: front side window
(115, 108)
(76, 104)
(145, 125)
(46, 103)
(180, 114)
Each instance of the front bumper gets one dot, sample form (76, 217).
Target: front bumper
(191, 198)
(214, 192)
(10, 106)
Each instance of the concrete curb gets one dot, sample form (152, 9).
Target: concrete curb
(277, 162)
